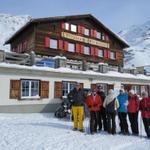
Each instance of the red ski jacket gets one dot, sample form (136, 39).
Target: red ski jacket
(145, 107)
(94, 103)
(133, 105)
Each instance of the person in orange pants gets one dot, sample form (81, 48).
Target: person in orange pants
(78, 99)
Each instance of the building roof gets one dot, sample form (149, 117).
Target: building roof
(65, 18)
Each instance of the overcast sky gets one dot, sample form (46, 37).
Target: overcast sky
(116, 14)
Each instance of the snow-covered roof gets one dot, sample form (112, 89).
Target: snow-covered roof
(70, 71)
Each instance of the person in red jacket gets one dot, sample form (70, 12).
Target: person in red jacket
(145, 112)
(94, 104)
(133, 109)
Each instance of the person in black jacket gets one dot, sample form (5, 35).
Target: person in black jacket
(78, 100)
(102, 112)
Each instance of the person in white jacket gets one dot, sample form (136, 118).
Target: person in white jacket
(111, 104)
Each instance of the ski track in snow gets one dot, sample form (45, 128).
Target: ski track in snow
(44, 132)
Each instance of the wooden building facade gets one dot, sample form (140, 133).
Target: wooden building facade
(80, 37)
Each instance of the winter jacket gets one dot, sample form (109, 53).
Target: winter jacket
(145, 107)
(133, 105)
(111, 103)
(123, 102)
(94, 103)
(77, 97)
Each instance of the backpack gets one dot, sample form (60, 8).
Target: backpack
(110, 108)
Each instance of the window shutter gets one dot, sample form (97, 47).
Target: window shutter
(110, 86)
(15, 89)
(108, 54)
(95, 33)
(92, 51)
(149, 90)
(127, 87)
(44, 93)
(47, 42)
(93, 86)
(79, 29)
(92, 33)
(105, 53)
(81, 85)
(82, 49)
(117, 56)
(78, 48)
(63, 25)
(58, 90)
(83, 28)
(106, 37)
(60, 44)
(96, 52)
(66, 46)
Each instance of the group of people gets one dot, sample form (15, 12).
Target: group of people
(103, 110)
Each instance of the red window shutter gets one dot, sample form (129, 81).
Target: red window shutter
(108, 54)
(92, 51)
(66, 46)
(96, 52)
(60, 44)
(95, 33)
(47, 42)
(117, 56)
(105, 54)
(63, 25)
(83, 28)
(78, 48)
(82, 49)
(92, 33)
(106, 37)
(79, 29)
(44, 92)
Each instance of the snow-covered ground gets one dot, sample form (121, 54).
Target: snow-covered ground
(44, 132)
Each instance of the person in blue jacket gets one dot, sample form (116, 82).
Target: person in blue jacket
(122, 112)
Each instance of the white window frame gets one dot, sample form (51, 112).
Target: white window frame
(67, 26)
(85, 50)
(102, 36)
(86, 32)
(98, 35)
(68, 89)
(53, 43)
(30, 89)
(100, 53)
(71, 47)
(112, 55)
(136, 89)
(73, 28)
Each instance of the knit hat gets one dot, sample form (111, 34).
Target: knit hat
(132, 92)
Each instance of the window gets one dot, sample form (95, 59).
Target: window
(67, 26)
(53, 43)
(112, 55)
(67, 87)
(136, 89)
(100, 53)
(144, 88)
(103, 36)
(73, 28)
(29, 88)
(71, 47)
(86, 50)
(98, 35)
(86, 32)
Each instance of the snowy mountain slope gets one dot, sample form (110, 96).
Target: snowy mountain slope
(138, 38)
(9, 25)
